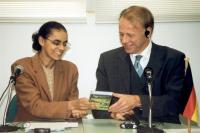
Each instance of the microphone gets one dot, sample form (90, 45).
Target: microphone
(17, 71)
(148, 73)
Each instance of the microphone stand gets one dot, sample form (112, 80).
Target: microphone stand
(150, 104)
(149, 129)
(6, 127)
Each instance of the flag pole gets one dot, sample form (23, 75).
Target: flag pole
(189, 125)
(188, 120)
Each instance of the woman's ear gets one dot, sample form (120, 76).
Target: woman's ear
(41, 40)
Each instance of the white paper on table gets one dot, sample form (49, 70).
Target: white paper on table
(53, 126)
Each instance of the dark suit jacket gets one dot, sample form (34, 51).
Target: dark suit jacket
(113, 74)
(34, 99)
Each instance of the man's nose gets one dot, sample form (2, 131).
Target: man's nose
(124, 39)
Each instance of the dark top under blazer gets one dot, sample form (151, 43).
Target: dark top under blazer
(113, 74)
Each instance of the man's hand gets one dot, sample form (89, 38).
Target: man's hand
(125, 103)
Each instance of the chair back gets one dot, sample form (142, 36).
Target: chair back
(12, 110)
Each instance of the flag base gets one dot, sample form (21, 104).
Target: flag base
(146, 129)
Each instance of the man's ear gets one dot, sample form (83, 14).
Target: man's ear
(41, 41)
(149, 31)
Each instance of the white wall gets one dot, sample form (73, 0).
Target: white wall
(88, 41)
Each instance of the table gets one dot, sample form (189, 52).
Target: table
(113, 126)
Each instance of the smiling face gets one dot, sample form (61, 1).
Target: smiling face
(132, 36)
(54, 46)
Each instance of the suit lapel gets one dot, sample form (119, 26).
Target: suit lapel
(156, 60)
(41, 76)
(124, 70)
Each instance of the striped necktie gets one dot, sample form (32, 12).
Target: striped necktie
(137, 65)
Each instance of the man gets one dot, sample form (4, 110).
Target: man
(121, 71)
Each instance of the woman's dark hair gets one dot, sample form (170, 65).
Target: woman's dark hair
(44, 31)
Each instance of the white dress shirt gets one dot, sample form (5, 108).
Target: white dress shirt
(145, 56)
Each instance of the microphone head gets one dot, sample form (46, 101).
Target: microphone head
(148, 73)
(18, 70)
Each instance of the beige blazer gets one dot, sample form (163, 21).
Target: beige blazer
(34, 98)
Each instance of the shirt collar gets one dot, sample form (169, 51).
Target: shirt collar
(145, 55)
(147, 51)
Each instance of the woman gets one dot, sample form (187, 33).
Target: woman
(47, 89)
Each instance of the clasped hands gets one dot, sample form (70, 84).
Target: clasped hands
(80, 107)
(124, 106)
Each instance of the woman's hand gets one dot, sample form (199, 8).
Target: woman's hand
(85, 104)
(81, 104)
(79, 113)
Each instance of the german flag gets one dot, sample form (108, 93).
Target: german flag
(189, 99)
